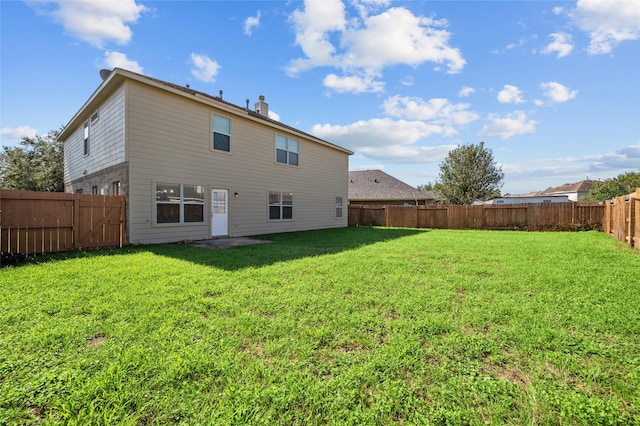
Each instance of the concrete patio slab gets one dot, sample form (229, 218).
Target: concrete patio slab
(223, 243)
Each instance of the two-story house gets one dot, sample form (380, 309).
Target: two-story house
(194, 166)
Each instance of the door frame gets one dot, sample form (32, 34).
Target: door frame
(226, 214)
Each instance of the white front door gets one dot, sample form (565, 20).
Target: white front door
(219, 212)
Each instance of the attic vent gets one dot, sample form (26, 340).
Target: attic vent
(262, 107)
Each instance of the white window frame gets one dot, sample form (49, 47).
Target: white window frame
(287, 149)
(339, 207)
(181, 202)
(281, 205)
(214, 131)
(86, 138)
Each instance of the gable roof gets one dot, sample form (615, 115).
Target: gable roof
(582, 186)
(378, 185)
(118, 75)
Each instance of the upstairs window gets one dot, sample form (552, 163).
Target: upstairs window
(86, 138)
(286, 150)
(280, 205)
(221, 133)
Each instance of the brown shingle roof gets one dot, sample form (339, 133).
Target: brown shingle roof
(378, 185)
(582, 186)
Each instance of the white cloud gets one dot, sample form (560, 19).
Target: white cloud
(466, 91)
(556, 92)
(313, 27)
(95, 22)
(515, 123)
(119, 60)
(353, 84)
(562, 45)
(19, 132)
(379, 132)
(250, 23)
(274, 115)
(408, 154)
(407, 81)
(608, 22)
(625, 158)
(204, 68)
(365, 45)
(510, 95)
(437, 110)
(398, 37)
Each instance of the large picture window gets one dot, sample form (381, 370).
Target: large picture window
(221, 133)
(179, 203)
(280, 205)
(286, 150)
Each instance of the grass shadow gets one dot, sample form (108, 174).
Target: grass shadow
(281, 247)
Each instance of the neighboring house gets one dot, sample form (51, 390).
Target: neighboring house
(194, 166)
(522, 199)
(375, 187)
(575, 191)
(559, 194)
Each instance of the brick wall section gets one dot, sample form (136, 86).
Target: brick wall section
(103, 180)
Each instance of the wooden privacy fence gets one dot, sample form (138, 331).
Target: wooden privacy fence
(531, 216)
(45, 222)
(622, 219)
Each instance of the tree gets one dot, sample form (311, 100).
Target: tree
(607, 189)
(36, 165)
(468, 174)
(425, 187)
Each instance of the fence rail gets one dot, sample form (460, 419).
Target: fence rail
(622, 219)
(531, 216)
(45, 222)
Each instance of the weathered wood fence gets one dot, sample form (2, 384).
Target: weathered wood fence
(43, 222)
(530, 216)
(622, 219)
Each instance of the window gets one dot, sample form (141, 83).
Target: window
(286, 150)
(221, 133)
(86, 138)
(280, 205)
(178, 203)
(78, 191)
(94, 190)
(338, 206)
(94, 117)
(115, 188)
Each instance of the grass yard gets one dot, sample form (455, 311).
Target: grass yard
(357, 326)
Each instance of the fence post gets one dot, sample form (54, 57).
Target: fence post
(75, 231)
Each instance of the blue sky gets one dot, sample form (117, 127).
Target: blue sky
(552, 88)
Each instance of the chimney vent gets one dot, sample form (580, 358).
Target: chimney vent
(262, 107)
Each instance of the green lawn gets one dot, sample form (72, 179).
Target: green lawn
(349, 326)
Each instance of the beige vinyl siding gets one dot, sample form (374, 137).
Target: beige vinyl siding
(107, 145)
(169, 140)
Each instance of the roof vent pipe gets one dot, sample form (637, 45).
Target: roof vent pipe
(262, 107)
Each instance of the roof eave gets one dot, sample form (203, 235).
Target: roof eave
(118, 75)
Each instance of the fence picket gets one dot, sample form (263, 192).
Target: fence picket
(46, 222)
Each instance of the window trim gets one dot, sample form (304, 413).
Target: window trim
(339, 207)
(181, 205)
(281, 206)
(213, 134)
(287, 151)
(86, 138)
